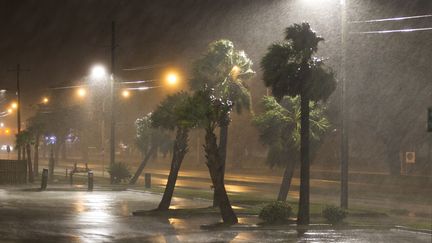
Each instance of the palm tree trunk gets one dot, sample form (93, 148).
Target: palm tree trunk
(36, 156)
(179, 151)
(51, 162)
(216, 173)
(23, 153)
(303, 213)
(223, 143)
(142, 165)
(286, 182)
(29, 163)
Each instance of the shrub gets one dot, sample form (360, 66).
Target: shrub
(275, 212)
(334, 214)
(120, 172)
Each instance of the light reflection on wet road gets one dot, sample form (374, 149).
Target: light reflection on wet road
(99, 216)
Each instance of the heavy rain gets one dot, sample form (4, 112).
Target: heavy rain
(216, 121)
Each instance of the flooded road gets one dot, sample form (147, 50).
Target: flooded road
(105, 216)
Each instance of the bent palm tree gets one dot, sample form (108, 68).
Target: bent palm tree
(291, 69)
(209, 110)
(174, 113)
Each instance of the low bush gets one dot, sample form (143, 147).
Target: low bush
(275, 212)
(333, 214)
(120, 172)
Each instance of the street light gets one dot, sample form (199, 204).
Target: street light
(14, 105)
(98, 72)
(172, 79)
(45, 100)
(81, 92)
(125, 93)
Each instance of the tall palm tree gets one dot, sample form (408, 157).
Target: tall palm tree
(291, 69)
(225, 70)
(175, 113)
(279, 128)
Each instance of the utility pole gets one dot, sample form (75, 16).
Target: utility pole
(18, 94)
(344, 113)
(112, 137)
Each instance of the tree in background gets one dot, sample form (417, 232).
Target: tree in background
(148, 140)
(175, 113)
(279, 128)
(291, 69)
(225, 70)
(23, 141)
(37, 126)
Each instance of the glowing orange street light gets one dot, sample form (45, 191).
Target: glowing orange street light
(81, 92)
(14, 105)
(125, 93)
(45, 100)
(172, 79)
(7, 131)
(10, 110)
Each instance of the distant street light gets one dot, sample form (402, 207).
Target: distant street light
(14, 105)
(45, 100)
(10, 110)
(125, 93)
(172, 79)
(81, 92)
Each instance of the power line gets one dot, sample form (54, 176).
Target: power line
(145, 67)
(392, 31)
(391, 19)
(138, 81)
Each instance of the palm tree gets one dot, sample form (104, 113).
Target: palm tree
(279, 128)
(148, 140)
(224, 69)
(291, 69)
(209, 110)
(175, 113)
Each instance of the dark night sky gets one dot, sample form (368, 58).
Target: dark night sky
(60, 39)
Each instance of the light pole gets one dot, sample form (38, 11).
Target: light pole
(112, 124)
(344, 111)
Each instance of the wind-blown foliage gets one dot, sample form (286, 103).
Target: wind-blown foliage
(148, 136)
(148, 140)
(288, 66)
(279, 128)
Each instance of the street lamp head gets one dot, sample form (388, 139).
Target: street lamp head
(98, 72)
(14, 105)
(125, 93)
(81, 92)
(172, 79)
(45, 100)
